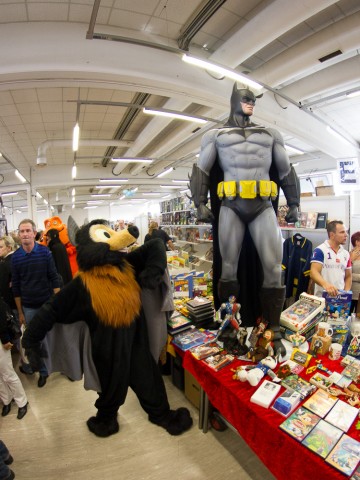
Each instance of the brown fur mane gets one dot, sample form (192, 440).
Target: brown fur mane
(115, 294)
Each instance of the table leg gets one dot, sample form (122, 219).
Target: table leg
(206, 413)
(201, 408)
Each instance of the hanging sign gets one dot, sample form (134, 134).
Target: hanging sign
(348, 171)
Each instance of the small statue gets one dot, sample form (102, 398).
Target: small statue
(254, 373)
(296, 339)
(264, 347)
(236, 338)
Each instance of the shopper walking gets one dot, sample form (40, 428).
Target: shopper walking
(34, 280)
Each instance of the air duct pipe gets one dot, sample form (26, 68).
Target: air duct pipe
(42, 148)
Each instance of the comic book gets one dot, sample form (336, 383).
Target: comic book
(320, 403)
(322, 438)
(342, 415)
(300, 423)
(345, 455)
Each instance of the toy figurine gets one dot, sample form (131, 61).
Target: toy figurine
(264, 347)
(296, 339)
(254, 373)
(235, 340)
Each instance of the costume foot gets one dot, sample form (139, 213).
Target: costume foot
(102, 427)
(176, 421)
(6, 410)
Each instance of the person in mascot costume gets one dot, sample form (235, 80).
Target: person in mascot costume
(242, 165)
(105, 295)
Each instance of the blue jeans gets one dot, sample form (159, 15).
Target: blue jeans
(4, 455)
(29, 314)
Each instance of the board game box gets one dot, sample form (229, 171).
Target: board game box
(338, 306)
(298, 315)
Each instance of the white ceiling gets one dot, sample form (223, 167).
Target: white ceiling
(100, 61)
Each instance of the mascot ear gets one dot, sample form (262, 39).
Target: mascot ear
(72, 228)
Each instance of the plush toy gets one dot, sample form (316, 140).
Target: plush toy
(106, 296)
(254, 373)
(55, 223)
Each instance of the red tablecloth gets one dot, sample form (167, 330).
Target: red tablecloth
(286, 458)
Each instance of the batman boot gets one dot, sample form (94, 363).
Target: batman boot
(272, 302)
(226, 288)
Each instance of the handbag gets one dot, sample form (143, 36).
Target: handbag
(12, 322)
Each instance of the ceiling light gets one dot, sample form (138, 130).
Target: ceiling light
(293, 150)
(353, 94)
(73, 191)
(91, 206)
(114, 180)
(171, 186)
(122, 197)
(73, 205)
(18, 211)
(52, 208)
(107, 186)
(20, 177)
(149, 194)
(9, 194)
(212, 67)
(45, 201)
(38, 195)
(76, 135)
(73, 172)
(180, 181)
(95, 202)
(165, 172)
(296, 164)
(132, 160)
(96, 195)
(178, 116)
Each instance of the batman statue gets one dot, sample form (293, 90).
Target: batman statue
(242, 164)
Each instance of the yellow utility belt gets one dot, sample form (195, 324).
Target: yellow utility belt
(247, 189)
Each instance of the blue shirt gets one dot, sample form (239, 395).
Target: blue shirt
(34, 276)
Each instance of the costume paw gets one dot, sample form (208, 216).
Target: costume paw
(103, 427)
(176, 421)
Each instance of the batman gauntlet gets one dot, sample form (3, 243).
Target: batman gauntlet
(199, 186)
(290, 185)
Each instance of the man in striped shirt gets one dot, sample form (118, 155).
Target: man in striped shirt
(34, 280)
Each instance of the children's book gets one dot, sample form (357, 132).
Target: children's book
(300, 423)
(287, 402)
(178, 323)
(219, 360)
(342, 415)
(322, 438)
(320, 403)
(294, 383)
(265, 393)
(345, 455)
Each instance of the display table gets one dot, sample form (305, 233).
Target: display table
(286, 458)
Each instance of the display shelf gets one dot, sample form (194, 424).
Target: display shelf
(304, 230)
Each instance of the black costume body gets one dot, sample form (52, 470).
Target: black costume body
(121, 355)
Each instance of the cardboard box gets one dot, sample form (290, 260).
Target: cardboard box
(192, 389)
(324, 191)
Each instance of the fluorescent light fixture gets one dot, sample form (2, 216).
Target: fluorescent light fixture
(113, 180)
(293, 150)
(334, 132)
(165, 172)
(171, 186)
(76, 135)
(107, 186)
(38, 195)
(296, 164)
(97, 195)
(56, 197)
(132, 160)
(353, 94)
(18, 211)
(180, 181)
(150, 194)
(95, 202)
(178, 116)
(52, 208)
(73, 205)
(166, 196)
(73, 172)
(9, 194)
(45, 201)
(122, 197)
(212, 67)
(20, 177)
(90, 206)
(73, 192)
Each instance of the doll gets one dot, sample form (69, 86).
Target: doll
(254, 373)
(264, 347)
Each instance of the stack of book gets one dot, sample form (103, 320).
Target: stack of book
(178, 323)
(192, 338)
(201, 311)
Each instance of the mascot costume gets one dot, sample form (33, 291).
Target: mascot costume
(242, 165)
(105, 295)
(55, 223)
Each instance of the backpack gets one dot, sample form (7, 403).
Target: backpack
(12, 323)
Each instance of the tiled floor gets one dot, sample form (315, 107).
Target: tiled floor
(52, 441)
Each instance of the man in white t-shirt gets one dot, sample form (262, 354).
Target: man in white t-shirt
(330, 262)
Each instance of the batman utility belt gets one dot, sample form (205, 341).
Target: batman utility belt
(249, 189)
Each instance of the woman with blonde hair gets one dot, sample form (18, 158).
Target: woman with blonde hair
(156, 232)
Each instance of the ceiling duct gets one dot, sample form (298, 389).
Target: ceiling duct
(41, 160)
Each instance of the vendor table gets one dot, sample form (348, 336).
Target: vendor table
(286, 458)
